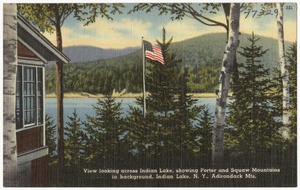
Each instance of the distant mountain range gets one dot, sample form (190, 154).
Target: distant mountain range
(79, 54)
(96, 70)
(201, 50)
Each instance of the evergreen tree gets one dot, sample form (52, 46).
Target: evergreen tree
(184, 131)
(103, 134)
(292, 59)
(287, 153)
(138, 137)
(288, 132)
(204, 132)
(51, 144)
(74, 148)
(255, 132)
(165, 138)
(289, 150)
(276, 93)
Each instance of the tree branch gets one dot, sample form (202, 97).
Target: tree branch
(196, 15)
(64, 14)
(43, 13)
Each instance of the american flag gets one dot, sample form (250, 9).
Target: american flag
(153, 52)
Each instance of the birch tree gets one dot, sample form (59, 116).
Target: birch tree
(50, 18)
(224, 80)
(265, 9)
(9, 96)
(283, 67)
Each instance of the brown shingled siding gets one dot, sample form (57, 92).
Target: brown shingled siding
(39, 172)
(24, 51)
(29, 139)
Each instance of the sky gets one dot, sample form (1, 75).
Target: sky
(126, 30)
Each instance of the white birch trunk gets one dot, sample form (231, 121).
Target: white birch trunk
(224, 80)
(9, 98)
(283, 67)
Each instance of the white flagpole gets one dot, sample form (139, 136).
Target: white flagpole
(144, 78)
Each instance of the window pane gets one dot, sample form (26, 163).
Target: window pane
(29, 117)
(32, 117)
(29, 102)
(33, 104)
(30, 94)
(26, 103)
(26, 117)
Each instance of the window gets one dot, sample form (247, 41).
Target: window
(29, 96)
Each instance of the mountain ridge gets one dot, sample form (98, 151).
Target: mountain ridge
(92, 53)
(202, 56)
(192, 50)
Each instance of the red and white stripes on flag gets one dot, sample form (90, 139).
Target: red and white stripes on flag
(153, 52)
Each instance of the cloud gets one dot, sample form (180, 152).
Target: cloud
(290, 31)
(105, 33)
(189, 28)
(110, 34)
(127, 31)
(181, 30)
(268, 27)
(258, 26)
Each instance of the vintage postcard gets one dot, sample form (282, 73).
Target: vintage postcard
(150, 94)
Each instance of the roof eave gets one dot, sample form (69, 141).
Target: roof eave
(42, 40)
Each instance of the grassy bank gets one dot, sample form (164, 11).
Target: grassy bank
(121, 95)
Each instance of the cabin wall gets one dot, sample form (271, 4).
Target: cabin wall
(31, 149)
(29, 139)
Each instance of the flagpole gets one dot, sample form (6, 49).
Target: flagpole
(144, 79)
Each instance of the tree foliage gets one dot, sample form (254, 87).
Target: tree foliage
(253, 130)
(292, 59)
(43, 15)
(177, 134)
(51, 142)
(168, 125)
(180, 10)
(204, 132)
(74, 150)
(104, 134)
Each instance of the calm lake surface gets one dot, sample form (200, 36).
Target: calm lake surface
(84, 106)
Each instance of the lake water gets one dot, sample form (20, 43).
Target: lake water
(84, 106)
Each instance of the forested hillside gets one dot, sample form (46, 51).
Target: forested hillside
(202, 56)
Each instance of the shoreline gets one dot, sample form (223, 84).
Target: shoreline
(124, 95)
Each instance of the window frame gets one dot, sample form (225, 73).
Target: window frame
(36, 64)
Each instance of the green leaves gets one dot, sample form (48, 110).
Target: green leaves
(45, 18)
(180, 10)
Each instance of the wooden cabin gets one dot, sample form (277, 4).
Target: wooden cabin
(34, 51)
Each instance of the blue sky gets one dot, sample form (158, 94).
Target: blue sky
(126, 30)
